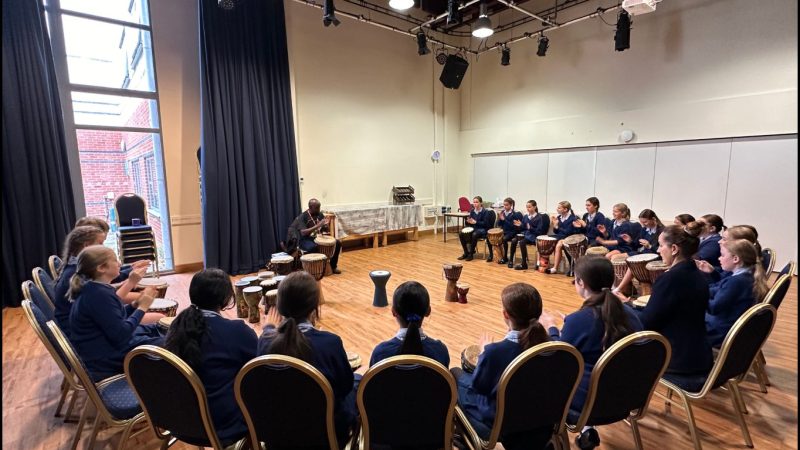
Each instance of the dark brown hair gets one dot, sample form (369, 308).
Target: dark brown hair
(92, 222)
(298, 301)
(685, 237)
(597, 275)
(685, 218)
(77, 239)
(523, 304)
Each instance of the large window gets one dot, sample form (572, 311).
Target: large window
(104, 60)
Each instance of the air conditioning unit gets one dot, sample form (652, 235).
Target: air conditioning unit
(639, 7)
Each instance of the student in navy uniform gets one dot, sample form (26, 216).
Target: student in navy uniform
(678, 301)
(102, 328)
(601, 321)
(620, 225)
(593, 217)
(648, 243)
(533, 224)
(709, 239)
(733, 294)
(511, 223)
(683, 219)
(97, 222)
(304, 228)
(477, 392)
(410, 305)
(216, 348)
(478, 219)
(289, 331)
(563, 226)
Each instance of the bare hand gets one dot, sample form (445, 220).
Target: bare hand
(485, 339)
(326, 221)
(502, 215)
(553, 219)
(146, 299)
(626, 237)
(621, 297)
(141, 263)
(273, 317)
(517, 223)
(471, 220)
(704, 266)
(137, 274)
(547, 320)
(644, 243)
(601, 228)
(578, 223)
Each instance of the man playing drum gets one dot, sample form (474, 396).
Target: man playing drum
(305, 228)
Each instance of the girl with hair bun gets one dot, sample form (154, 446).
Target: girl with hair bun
(411, 304)
(709, 239)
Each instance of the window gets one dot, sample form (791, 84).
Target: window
(152, 181)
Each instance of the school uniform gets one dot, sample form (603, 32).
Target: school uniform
(709, 250)
(651, 236)
(227, 345)
(482, 224)
(584, 329)
(62, 303)
(676, 309)
(431, 348)
(564, 226)
(103, 329)
(730, 298)
(590, 230)
(617, 229)
(509, 229)
(329, 358)
(532, 226)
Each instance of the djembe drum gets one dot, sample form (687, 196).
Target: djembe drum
(164, 306)
(638, 266)
(164, 323)
(278, 279)
(282, 265)
(253, 281)
(655, 269)
(160, 284)
(469, 358)
(266, 275)
(314, 263)
(545, 245)
(495, 236)
(379, 279)
(326, 245)
(241, 304)
(252, 295)
(575, 246)
(452, 272)
(596, 251)
(620, 266)
(268, 285)
(462, 289)
(270, 300)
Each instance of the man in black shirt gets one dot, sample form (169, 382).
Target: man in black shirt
(305, 228)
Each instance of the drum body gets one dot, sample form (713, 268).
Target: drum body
(597, 251)
(160, 285)
(576, 245)
(270, 300)
(620, 266)
(495, 236)
(314, 263)
(326, 245)
(462, 289)
(638, 266)
(251, 280)
(452, 272)
(268, 285)
(282, 265)
(164, 323)
(241, 304)
(545, 245)
(379, 279)
(252, 295)
(469, 358)
(164, 306)
(655, 269)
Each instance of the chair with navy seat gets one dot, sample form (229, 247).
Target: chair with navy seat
(768, 260)
(134, 242)
(45, 283)
(54, 263)
(737, 354)
(30, 291)
(112, 400)
(173, 398)
(789, 269)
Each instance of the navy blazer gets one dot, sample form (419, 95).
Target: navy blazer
(584, 330)
(676, 309)
(709, 250)
(730, 298)
(651, 238)
(227, 346)
(479, 399)
(509, 229)
(565, 228)
(431, 348)
(615, 233)
(537, 226)
(103, 329)
(590, 230)
(482, 220)
(329, 358)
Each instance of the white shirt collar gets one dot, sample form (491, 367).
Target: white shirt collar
(564, 216)
(513, 336)
(590, 217)
(740, 270)
(209, 313)
(401, 334)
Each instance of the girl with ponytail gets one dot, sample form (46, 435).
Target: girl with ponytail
(601, 321)
(563, 226)
(709, 239)
(410, 305)
(102, 328)
(289, 331)
(216, 348)
(477, 392)
(620, 224)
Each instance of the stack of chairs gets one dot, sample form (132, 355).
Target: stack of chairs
(134, 242)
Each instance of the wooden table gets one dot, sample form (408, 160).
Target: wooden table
(462, 215)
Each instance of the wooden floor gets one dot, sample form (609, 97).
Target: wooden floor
(31, 379)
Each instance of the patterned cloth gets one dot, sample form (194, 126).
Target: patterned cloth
(377, 219)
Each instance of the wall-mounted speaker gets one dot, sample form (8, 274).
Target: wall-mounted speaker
(453, 71)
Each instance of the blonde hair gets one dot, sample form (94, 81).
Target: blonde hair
(750, 258)
(566, 205)
(626, 212)
(89, 259)
(93, 222)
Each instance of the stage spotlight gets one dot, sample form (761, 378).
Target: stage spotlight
(622, 38)
(422, 43)
(401, 5)
(483, 26)
(453, 14)
(505, 59)
(441, 58)
(543, 44)
(329, 14)
(226, 4)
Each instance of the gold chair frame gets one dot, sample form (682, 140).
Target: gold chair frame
(51, 264)
(102, 415)
(199, 390)
(759, 367)
(732, 385)
(594, 380)
(407, 360)
(548, 347)
(772, 257)
(38, 281)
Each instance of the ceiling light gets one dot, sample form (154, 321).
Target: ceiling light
(422, 43)
(483, 26)
(401, 5)
(505, 59)
(543, 44)
(453, 13)
(622, 38)
(329, 14)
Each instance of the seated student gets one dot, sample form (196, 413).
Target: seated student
(709, 239)
(102, 328)
(534, 224)
(477, 392)
(734, 294)
(216, 348)
(511, 223)
(683, 219)
(478, 219)
(746, 232)
(679, 300)
(588, 224)
(601, 321)
(648, 243)
(563, 226)
(410, 305)
(288, 331)
(97, 222)
(621, 228)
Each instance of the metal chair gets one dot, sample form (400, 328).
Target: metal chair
(46, 284)
(464, 205)
(546, 375)
(32, 292)
(789, 269)
(54, 263)
(134, 242)
(738, 351)
(768, 257)
(773, 297)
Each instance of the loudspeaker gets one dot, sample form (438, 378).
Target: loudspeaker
(453, 71)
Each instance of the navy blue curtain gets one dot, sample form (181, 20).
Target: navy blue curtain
(38, 207)
(250, 188)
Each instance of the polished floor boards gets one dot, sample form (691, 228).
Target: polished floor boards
(31, 379)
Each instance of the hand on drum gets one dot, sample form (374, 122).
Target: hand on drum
(626, 237)
(704, 266)
(485, 339)
(146, 298)
(578, 223)
(274, 318)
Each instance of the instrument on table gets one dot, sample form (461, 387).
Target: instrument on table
(266, 275)
(620, 266)
(327, 246)
(597, 251)
(164, 323)
(354, 360)
(270, 300)
(545, 245)
(242, 310)
(469, 358)
(495, 236)
(638, 266)
(282, 265)
(160, 284)
(452, 272)
(379, 279)
(575, 245)
(252, 295)
(462, 289)
(164, 306)
(655, 269)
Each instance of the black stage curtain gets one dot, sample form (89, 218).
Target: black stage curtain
(250, 187)
(38, 207)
